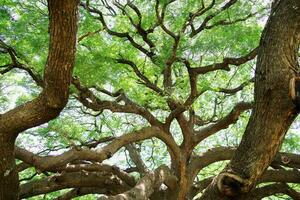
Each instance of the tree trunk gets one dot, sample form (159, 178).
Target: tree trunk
(57, 78)
(273, 111)
(9, 182)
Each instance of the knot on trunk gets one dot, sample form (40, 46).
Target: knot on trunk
(231, 185)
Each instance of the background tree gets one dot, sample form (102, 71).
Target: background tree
(160, 98)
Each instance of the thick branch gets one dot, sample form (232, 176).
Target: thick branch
(273, 189)
(103, 179)
(225, 153)
(136, 158)
(52, 163)
(284, 176)
(146, 186)
(81, 192)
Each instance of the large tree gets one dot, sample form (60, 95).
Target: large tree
(161, 102)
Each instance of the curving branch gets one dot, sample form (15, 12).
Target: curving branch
(200, 11)
(273, 189)
(146, 186)
(88, 99)
(142, 77)
(161, 15)
(223, 123)
(9, 50)
(226, 23)
(81, 192)
(138, 26)
(226, 62)
(283, 176)
(104, 179)
(53, 163)
(16, 64)
(126, 35)
(137, 159)
(167, 82)
(217, 154)
(236, 89)
(203, 25)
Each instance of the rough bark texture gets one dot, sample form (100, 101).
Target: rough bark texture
(63, 29)
(273, 110)
(146, 186)
(81, 167)
(9, 182)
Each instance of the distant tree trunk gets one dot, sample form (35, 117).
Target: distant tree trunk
(273, 111)
(57, 78)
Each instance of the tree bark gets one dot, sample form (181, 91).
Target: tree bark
(57, 78)
(9, 183)
(273, 110)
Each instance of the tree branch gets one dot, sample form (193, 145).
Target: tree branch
(81, 191)
(211, 16)
(226, 62)
(284, 176)
(16, 64)
(88, 99)
(136, 158)
(273, 189)
(231, 118)
(217, 154)
(147, 185)
(236, 89)
(126, 35)
(143, 78)
(102, 179)
(52, 163)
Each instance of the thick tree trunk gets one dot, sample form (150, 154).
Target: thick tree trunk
(273, 111)
(8, 177)
(58, 71)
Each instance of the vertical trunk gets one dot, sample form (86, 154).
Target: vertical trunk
(273, 110)
(58, 71)
(9, 183)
